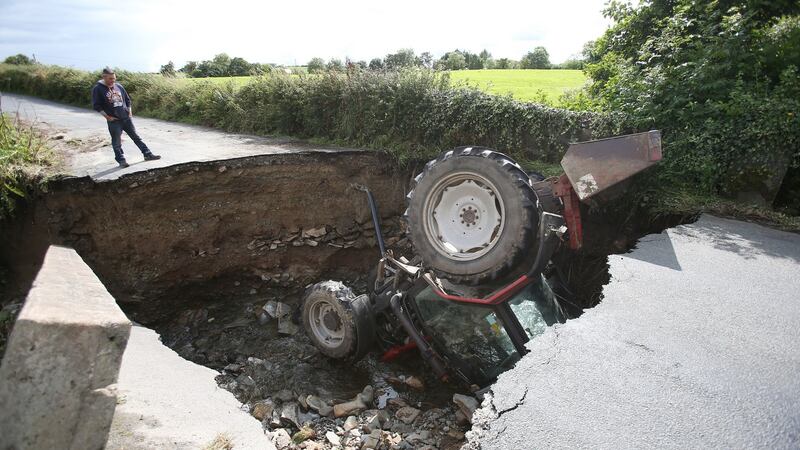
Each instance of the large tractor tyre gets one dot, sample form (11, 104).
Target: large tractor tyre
(472, 215)
(329, 319)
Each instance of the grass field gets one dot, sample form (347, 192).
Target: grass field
(525, 85)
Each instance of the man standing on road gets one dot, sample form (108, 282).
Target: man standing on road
(111, 100)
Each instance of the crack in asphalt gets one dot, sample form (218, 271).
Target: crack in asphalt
(517, 405)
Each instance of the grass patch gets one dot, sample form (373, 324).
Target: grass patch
(24, 159)
(687, 203)
(523, 84)
(530, 85)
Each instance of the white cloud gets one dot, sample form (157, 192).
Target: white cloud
(144, 34)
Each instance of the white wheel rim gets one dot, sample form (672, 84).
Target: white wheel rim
(326, 324)
(464, 216)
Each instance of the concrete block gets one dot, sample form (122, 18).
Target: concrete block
(57, 379)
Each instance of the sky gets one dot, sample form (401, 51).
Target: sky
(144, 34)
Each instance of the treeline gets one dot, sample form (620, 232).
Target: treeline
(220, 65)
(538, 58)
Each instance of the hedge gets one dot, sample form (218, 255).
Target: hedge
(412, 114)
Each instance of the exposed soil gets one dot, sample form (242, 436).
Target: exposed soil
(196, 251)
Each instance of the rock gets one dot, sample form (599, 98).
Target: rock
(263, 410)
(397, 402)
(455, 434)
(253, 291)
(318, 405)
(369, 441)
(232, 368)
(275, 420)
(284, 395)
(415, 383)
(393, 440)
(304, 434)
(420, 436)
(400, 427)
(367, 395)
(286, 326)
(466, 404)
(281, 439)
(333, 438)
(407, 414)
(302, 400)
(277, 309)
(372, 423)
(349, 408)
(350, 423)
(461, 418)
(314, 232)
(289, 415)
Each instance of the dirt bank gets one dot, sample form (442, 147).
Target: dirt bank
(153, 233)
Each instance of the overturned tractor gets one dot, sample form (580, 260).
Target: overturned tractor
(481, 283)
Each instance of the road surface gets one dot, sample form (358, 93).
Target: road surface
(86, 131)
(695, 345)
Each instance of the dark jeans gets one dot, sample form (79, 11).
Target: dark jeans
(116, 127)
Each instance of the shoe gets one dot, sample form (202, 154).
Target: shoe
(123, 164)
(151, 157)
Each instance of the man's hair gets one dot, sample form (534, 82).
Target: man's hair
(108, 71)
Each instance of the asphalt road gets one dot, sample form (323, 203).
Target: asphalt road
(86, 132)
(695, 345)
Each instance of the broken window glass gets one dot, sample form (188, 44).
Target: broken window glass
(474, 334)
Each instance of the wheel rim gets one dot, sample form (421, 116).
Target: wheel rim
(464, 216)
(326, 324)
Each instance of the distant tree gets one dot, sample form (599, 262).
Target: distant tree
(454, 60)
(426, 60)
(20, 59)
(402, 59)
(189, 68)
(335, 65)
(503, 63)
(168, 69)
(574, 62)
(473, 61)
(376, 64)
(239, 67)
(588, 54)
(537, 59)
(486, 59)
(316, 65)
(361, 64)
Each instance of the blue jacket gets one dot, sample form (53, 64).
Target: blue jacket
(114, 100)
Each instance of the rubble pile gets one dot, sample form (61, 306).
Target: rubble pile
(383, 418)
(303, 399)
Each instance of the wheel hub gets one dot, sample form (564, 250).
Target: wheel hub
(469, 215)
(331, 320)
(464, 217)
